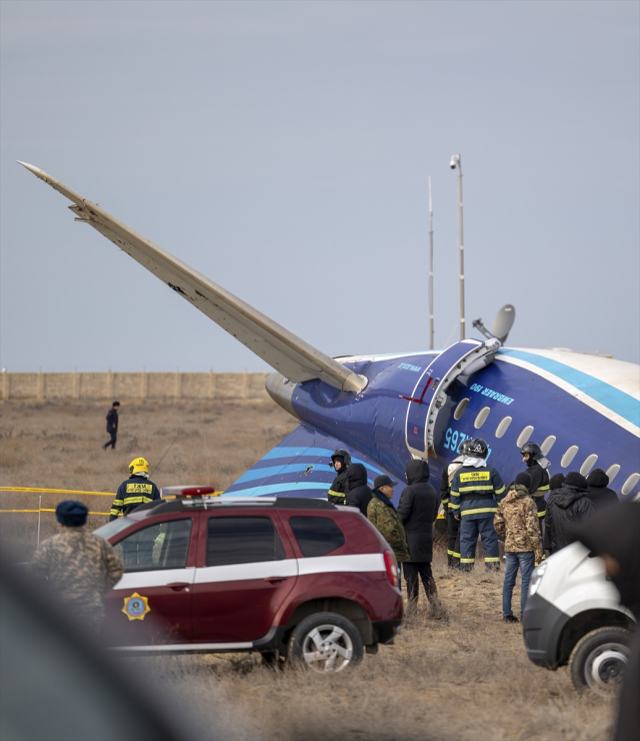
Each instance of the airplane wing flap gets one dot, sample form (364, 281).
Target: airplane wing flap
(288, 354)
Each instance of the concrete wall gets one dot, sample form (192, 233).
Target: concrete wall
(129, 386)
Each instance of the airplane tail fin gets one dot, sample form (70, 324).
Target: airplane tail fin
(291, 356)
(298, 466)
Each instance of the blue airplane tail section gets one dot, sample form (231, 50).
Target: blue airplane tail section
(298, 467)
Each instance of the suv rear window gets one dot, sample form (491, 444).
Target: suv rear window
(316, 536)
(233, 540)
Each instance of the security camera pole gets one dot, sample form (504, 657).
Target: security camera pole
(456, 161)
(430, 267)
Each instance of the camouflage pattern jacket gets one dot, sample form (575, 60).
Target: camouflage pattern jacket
(80, 568)
(517, 521)
(385, 518)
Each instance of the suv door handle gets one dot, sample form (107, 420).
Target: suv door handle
(274, 579)
(178, 585)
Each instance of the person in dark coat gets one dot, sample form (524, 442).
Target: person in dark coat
(340, 461)
(613, 535)
(358, 493)
(418, 509)
(601, 496)
(112, 426)
(566, 507)
(556, 481)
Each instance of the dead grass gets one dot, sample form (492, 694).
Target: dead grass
(464, 678)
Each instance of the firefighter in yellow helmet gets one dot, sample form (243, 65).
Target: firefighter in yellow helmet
(136, 490)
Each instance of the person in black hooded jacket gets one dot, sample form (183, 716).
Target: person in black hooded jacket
(418, 509)
(613, 535)
(601, 496)
(358, 493)
(566, 507)
(340, 461)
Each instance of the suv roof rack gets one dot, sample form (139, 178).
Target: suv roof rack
(215, 502)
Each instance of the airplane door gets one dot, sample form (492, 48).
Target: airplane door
(430, 392)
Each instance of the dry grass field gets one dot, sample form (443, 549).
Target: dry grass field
(465, 677)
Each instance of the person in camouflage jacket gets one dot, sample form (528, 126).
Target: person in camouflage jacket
(78, 566)
(383, 516)
(517, 521)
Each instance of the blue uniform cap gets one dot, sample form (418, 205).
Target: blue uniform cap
(71, 513)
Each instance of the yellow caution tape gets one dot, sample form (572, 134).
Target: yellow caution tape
(59, 491)
(48, 510)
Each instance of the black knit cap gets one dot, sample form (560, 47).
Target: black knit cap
(556, 481)
(575, 480)
(524, 479)
(71, 513)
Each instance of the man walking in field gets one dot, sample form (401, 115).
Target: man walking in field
(517, 521)
(78, 567)
(112, 425)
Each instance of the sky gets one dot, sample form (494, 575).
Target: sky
(284, 149)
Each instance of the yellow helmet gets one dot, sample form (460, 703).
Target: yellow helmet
(138, 465)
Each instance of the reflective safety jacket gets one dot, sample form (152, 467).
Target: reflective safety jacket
(476, 490)
(132, 493)
(337, 494)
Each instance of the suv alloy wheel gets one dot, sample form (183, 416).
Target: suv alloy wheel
(325, 643)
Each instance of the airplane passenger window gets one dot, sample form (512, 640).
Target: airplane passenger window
(461, 408)
(589, 463)
(628, 485)
(569, 455)
(524, 436)
(503, 426)
(547, 444)
(613, 471)
(482, 417)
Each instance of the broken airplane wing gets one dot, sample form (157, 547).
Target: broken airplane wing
(288, 354)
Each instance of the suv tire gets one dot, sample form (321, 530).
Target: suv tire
(326, 643)
(599, 659)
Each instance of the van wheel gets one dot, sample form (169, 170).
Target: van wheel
(325, 643)
(599, 659)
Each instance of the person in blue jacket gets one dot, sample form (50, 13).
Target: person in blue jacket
(476, 489)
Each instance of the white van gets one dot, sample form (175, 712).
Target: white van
(573, 616)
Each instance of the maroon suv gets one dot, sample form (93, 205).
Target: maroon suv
(295, 578)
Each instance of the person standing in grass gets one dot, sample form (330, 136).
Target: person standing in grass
(383, 516)
(78, 567)
(517, 521)
(112, 425)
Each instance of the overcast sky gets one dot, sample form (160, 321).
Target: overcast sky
(284, 148)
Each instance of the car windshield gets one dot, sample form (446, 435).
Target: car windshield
(113, 528)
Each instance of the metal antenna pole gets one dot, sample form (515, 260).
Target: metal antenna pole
(430, 268)
(461, 248)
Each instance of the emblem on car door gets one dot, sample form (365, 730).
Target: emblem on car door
(136, 606)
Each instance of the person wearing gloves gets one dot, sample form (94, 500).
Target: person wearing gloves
(613, 536)
(517, 521)
(358, 492)
(418, 510)
(383, 516)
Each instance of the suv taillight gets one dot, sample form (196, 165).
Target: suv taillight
(392, 568)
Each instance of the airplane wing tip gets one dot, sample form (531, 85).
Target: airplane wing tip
(35, 170)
